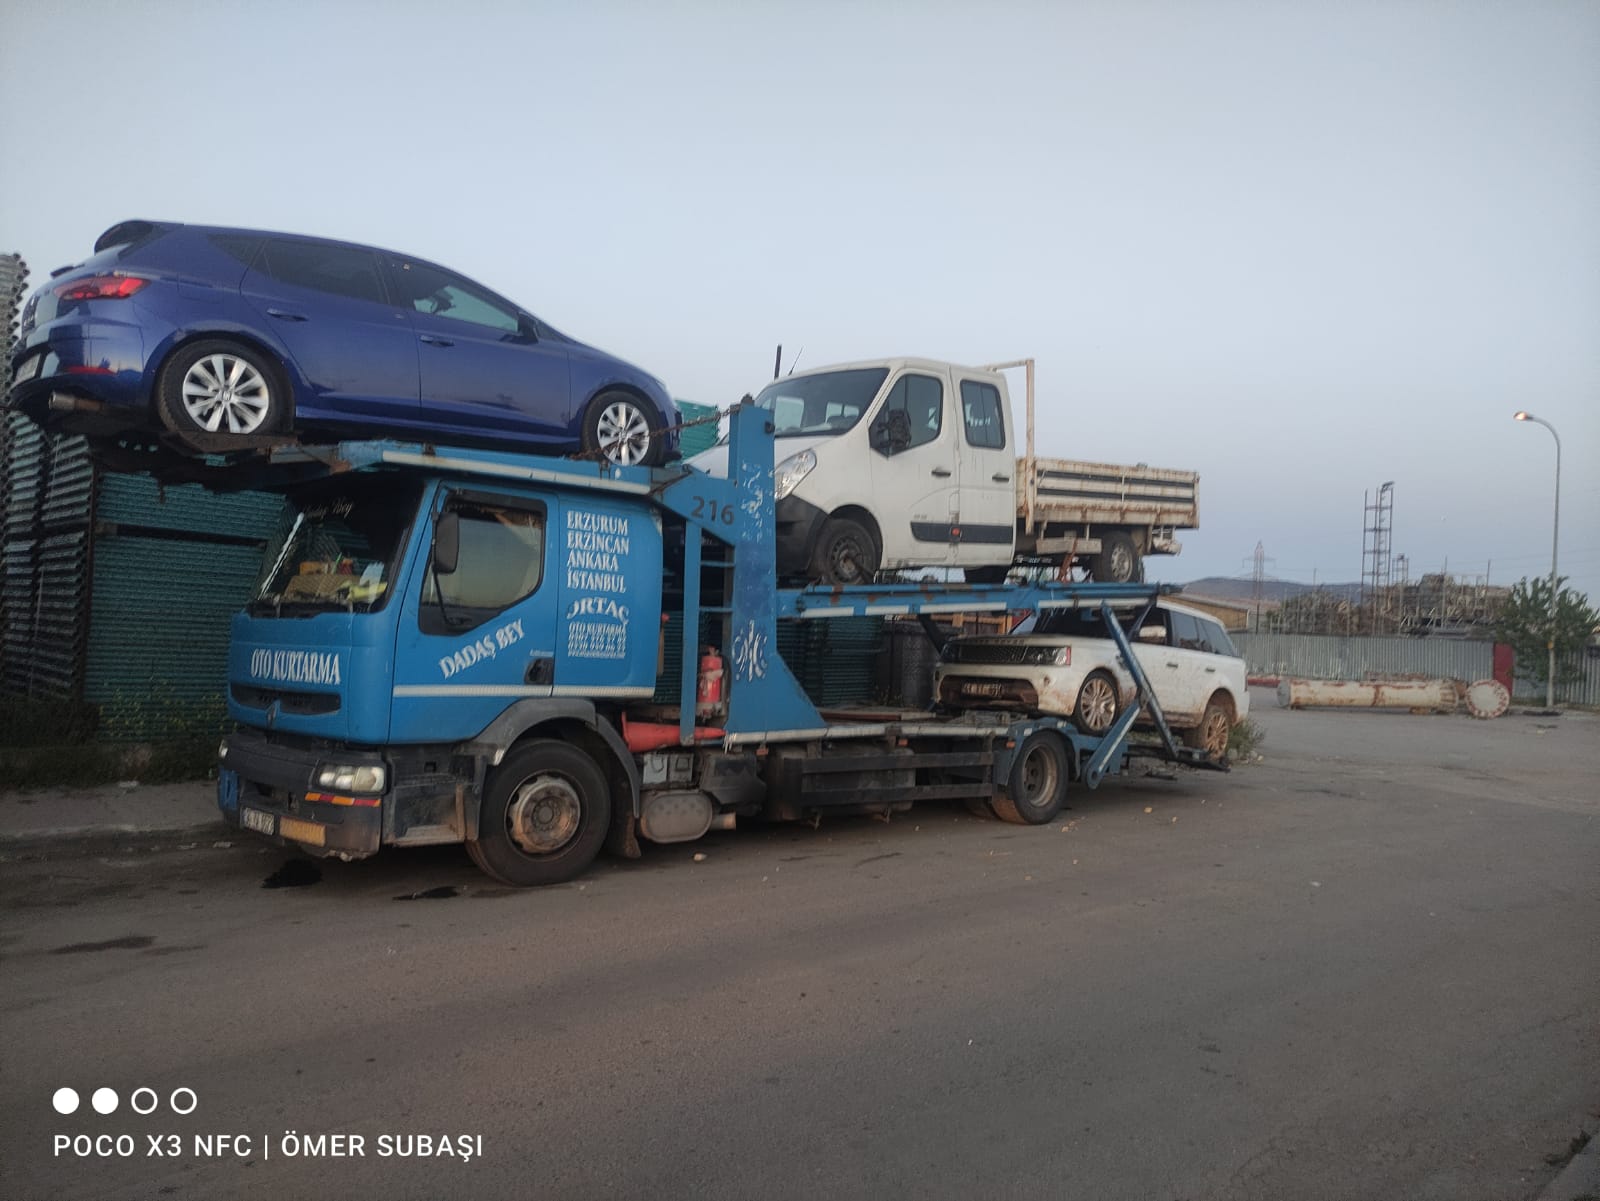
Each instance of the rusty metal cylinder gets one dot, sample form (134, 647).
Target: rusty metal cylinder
(1367, 694)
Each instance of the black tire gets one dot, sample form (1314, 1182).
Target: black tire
(1216, 724)
(625, 429)
(540, 789)
(993, 574)
(1037, 786)
(1098, 704)
(846, 553)
(1118, 561)
(221, 388)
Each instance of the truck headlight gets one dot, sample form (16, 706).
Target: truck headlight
(345, 778)
(788, 474)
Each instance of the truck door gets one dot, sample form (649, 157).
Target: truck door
(473, 640)
(914, 443)
(986, 485)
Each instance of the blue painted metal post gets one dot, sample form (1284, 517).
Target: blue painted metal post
(690, 680)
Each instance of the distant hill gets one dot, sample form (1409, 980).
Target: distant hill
(1232, 588)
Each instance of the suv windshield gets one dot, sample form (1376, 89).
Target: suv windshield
(337, 548)
(829, 402)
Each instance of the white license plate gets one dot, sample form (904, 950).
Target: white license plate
(254, 819)
(28, 369)
(983, 689)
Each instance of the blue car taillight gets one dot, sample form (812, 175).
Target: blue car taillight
(101, 287)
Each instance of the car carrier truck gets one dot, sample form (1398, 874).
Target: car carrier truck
(911, 463)
(462, 646)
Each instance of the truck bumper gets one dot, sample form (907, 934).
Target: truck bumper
(267, 788)
(798, 524)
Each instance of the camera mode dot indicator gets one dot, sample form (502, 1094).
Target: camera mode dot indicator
(104, 1100)
(65, 1100)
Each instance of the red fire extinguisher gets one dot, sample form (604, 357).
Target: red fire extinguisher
(708, 696)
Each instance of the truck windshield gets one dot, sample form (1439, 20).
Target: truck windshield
(337, 548)
(829, 402)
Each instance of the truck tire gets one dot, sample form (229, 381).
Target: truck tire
(1098, 703)
(1216, 724)
(1118, 561)
(545, 813)
(846, 553)
(1037, 786)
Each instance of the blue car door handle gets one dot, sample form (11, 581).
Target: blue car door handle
(432, 340)
(284, 315)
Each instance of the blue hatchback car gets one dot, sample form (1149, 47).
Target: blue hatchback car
(217, 337)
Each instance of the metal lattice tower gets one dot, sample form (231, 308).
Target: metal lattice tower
(1376, 548)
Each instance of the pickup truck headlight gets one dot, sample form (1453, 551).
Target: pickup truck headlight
(788, 474)
(340, 777)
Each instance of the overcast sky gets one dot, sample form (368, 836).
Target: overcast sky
(1302, 248)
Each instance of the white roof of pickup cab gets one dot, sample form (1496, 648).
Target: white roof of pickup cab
(893, 364)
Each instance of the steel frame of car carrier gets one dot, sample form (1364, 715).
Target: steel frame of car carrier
(771, 734)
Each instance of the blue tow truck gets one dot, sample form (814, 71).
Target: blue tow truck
(463, 646)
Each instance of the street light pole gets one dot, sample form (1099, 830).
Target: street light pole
(1555, 541)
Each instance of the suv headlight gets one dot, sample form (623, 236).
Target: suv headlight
(788, 474)
(345, 778)
(1047, 656)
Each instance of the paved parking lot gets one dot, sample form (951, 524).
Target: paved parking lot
(1366, 967)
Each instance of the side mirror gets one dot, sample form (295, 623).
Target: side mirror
(1155, 634)
(891, 433)
(447, 543)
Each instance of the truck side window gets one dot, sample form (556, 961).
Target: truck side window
(921, 399)
(501, 561)
(981, 411)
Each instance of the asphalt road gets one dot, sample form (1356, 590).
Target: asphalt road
(1365, 968)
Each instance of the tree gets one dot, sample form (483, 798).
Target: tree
(1524, 624)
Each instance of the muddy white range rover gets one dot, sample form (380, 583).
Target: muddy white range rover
(1064, 663)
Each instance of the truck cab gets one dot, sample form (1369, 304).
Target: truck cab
(892, 463)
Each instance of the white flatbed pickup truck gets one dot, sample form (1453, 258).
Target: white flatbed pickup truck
(906, 463)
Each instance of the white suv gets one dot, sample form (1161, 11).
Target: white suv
(1064, 663)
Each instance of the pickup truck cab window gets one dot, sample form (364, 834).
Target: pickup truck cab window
(921, 399)
(500, 562)
(983, 415)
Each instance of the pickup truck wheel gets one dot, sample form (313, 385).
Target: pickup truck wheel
(1037, 786)
(846, 553)
(625, 430)
(221, 387)
(1216, 724)
(545, 813)
(1118, 561)
(1096, 707)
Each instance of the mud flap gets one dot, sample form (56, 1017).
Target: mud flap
(621, 838)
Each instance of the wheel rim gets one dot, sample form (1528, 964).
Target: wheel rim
(1121, 564)
(544, 814)
(848, 560)
(1098, 704)
(624, 433)
(1216, 733)
(223, 393)
(1040, 777)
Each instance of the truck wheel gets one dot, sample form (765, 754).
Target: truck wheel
(545, 814)
(221, 387)
(1037, 786)
(1097, 703)
(1118, 561)
(1216, 724)
(625, 430)
(846, 553)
